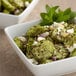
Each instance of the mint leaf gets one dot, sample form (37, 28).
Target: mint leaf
(63, 16)
(47, 8)
(73, 14)
(44, 16)
(47, 18)
(67, 11)
(54, 14)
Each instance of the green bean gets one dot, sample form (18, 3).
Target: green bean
(7, 5)
(17, 3)
(73, 53)
(6, 11)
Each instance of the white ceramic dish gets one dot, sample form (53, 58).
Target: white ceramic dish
(56, 68)
(7, 19)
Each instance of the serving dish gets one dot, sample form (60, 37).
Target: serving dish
(56, 68)
(8, 19)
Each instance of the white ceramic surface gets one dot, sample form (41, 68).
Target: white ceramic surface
(56, 68)
(7, 19)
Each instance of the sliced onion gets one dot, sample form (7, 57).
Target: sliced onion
(44, 34)
(54, 58)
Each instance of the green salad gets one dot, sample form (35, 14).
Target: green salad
(54, 38)
(14, 7)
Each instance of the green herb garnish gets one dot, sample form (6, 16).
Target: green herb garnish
(55, 14)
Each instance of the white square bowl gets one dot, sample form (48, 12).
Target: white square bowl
(55, 68)
(8, 19)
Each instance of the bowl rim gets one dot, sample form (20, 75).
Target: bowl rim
(18, 49)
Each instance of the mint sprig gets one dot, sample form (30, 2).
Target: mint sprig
(55, 14)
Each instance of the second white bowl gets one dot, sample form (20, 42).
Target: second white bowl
(7, 19)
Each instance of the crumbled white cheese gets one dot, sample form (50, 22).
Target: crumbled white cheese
(40, 38)
(45, 34)
(62, 23)
(22, 39)
(17, 11)
(74, 45)
(46, 26)
(35, 42)
(72, 48)
(58, 24)
(27, 3)
(59, 30)
(70, 31)
(55, 23)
